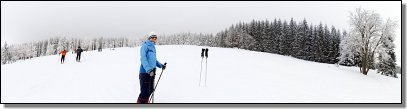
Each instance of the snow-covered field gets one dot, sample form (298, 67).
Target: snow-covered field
(234, 76)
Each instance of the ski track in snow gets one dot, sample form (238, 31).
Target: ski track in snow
(233, 76)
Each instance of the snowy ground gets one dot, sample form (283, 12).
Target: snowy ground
(234, 76)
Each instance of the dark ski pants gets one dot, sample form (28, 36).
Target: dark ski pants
(62, 58)
(78, 56)
(146, 87)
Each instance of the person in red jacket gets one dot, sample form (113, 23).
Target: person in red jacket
(63, 53)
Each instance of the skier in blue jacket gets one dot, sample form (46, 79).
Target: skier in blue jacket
(148, 66)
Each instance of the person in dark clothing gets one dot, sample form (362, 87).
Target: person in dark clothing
(146, 86)
(78, 54)
(63, 53)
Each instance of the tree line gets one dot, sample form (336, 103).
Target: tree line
(301, 40)
(368, 45)
(12, 53)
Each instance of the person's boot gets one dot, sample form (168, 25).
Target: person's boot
(141, 100)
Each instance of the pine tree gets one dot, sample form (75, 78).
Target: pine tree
(291, 36)
(5, 54)
(387, 57)
(299, 42)
(327, 45)
(277, 30)
(319, 43)
(231, 39)
(284, 43)
(268, 37)
(332, 46)
(308, 44)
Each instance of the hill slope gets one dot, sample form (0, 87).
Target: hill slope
(234, 76)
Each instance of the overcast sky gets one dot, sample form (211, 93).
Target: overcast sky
(24, 21)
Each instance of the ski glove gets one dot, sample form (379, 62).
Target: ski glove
(164, 66)
(151, 72)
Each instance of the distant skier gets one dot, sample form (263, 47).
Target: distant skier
(63, 53)
(78, 54)
(148, 67)
(99, 49)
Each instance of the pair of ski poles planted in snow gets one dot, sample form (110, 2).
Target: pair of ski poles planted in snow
(204, 53)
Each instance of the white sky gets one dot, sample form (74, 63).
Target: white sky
(24, 21)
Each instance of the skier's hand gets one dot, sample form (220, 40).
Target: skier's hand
(164, 66)
(151, 72)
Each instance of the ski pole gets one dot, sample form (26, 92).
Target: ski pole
(200, 72)
(152, 95)
(149, 86)
(206, 66)
(206, 70)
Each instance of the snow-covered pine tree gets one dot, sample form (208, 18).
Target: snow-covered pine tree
(245, 40)
(276, 33)
(332, 46)
(348, 50)
(299, 41)
(291, 36)
(319, 43)
(5, 54)
(267, 36)
(308, 44)
(387, 57)
(327, 42)
(284, 43)
(337, 40)
(31, 50)
(3, 60)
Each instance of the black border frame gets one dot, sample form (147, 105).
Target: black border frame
(401, 104)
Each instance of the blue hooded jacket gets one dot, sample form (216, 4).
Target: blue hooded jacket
(148, 57)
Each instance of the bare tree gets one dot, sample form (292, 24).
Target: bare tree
(366, 33)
